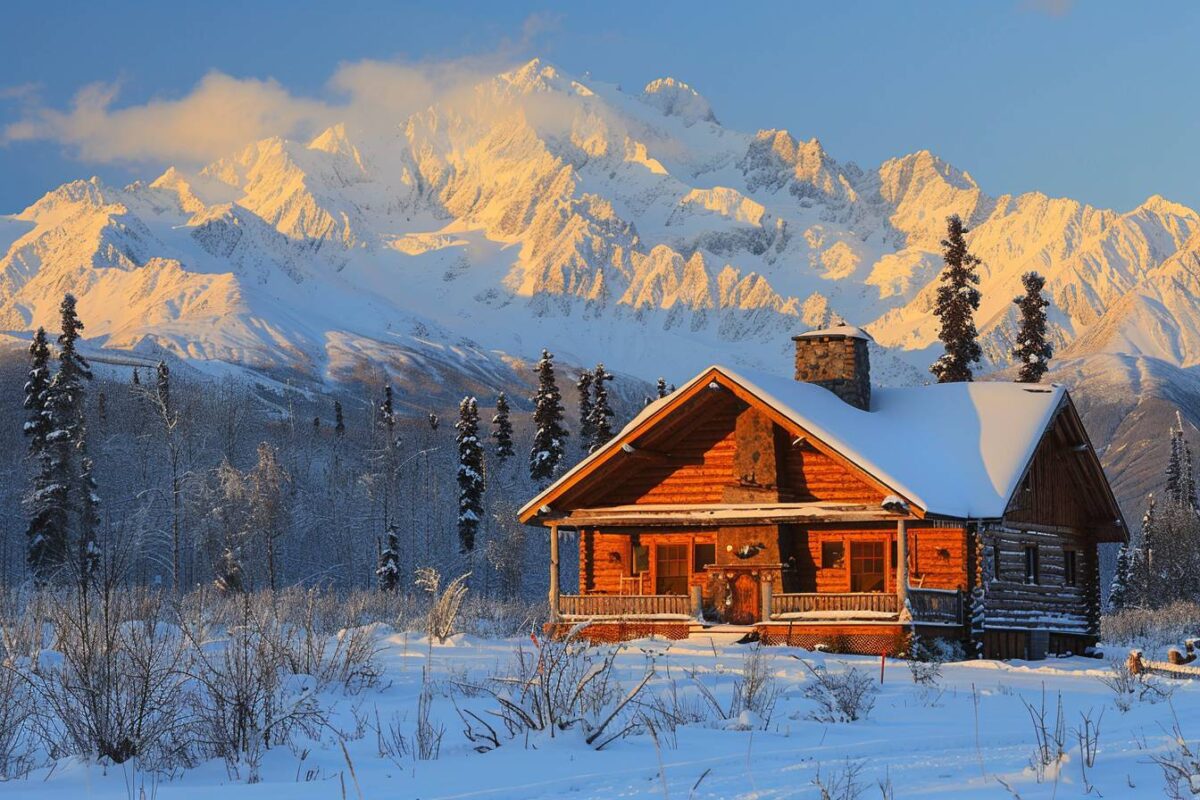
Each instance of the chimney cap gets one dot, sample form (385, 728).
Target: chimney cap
(836, 332)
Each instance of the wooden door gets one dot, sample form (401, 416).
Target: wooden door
(744, 610)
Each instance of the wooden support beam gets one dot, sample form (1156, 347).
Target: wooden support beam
(554, 588)
(902, 569)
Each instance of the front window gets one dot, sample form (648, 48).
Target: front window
(866, 567)
(671, 569)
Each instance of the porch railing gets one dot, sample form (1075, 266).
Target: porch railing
(612, 605)
(936, 605)
(841, 602)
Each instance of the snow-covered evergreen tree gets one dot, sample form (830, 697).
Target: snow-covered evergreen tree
(137, 380)
(601, 411)
(955, 306)
(434, 421)
(47, 533)
(661, 387)
(1181, 482)
(584, 387)
(502, 430)
(70, 465)
(470, 474)
(387, 573)
(549, 438)
(1139, 590)
(1032, 351)
(339, 421)
(1118, 594)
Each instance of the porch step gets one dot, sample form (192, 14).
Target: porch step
(720, 634)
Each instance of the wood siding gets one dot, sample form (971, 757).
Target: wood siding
(1010, 602)
(733, 453)
(937, 558)
(606, 560)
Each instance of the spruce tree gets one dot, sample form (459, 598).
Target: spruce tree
(1181, 482)
(1118, 594)
(162, 386)
(1032, 351)
(137, 380)
(549, 436)
(662, 388)
(434, 421)
(470, 474)
(586, 431)
(601, 412)
(387, 424)
(70, 465)
(387, 573)
(956, 304)
(339, 422)
(1141, 589)
(47, 532)
(502, 430)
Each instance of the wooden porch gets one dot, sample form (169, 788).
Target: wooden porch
(925, 606)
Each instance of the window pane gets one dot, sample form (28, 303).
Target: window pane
(671, 565)
(832, 555)
(866, 567)
(703, 555)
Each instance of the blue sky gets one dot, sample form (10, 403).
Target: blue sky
(1094, 100)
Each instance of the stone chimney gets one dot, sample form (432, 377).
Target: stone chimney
(837, 359)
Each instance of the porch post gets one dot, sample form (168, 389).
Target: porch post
(902, 569)
(554, 592)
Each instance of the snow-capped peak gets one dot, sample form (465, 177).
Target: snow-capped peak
(676, 99)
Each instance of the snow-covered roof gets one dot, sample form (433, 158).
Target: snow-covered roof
(847, 331)
(953, 449)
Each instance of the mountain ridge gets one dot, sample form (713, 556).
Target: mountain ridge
(541, 208)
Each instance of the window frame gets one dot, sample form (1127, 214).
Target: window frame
(1070, 566)
(1033, 565)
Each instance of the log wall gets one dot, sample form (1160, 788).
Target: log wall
(937, 558)
(1010, 602)
(734, 454)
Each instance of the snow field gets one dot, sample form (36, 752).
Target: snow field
(968, 735)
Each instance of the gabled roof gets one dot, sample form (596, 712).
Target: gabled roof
(954, 450)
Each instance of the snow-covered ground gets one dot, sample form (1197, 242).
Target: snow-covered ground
(969, 736)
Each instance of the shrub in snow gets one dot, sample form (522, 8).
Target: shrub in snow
(446, 603)
(560, 685)
(1180, 766)
(840, 697)
(841, 783)
(111, 687)
(17, 737)
(1131, 686)
(245, 699)
(1050, 738)
(755, 693)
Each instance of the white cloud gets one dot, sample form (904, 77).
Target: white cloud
(223, 113)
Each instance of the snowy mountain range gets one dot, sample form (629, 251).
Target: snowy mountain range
(540, 209)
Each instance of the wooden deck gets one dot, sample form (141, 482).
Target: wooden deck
(938, 606)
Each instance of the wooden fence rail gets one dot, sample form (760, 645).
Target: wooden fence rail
(611, 605)
(879, 602)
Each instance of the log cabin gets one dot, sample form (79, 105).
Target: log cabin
(822, 512)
